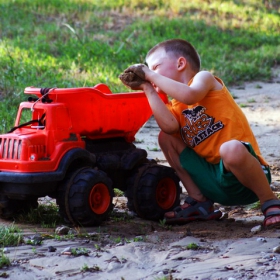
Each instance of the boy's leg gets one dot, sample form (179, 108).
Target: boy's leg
(196, 205)
(234, 155)
(247, 169)
(172, 147)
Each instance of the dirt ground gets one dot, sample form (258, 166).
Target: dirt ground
(131, 248)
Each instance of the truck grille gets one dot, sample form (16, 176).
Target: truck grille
(10, 148)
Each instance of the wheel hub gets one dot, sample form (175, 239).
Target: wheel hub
(99, 198)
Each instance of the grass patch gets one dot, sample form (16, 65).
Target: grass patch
(162, 224)
(10, 236)
(251, 100)
(74, 43)
(46, 215)
(243, 105)
(254, 206)
(4, 262)
(80, 251)
(94, 268)
(192, 246)
(118, 192)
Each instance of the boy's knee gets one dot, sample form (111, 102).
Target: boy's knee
(232, 151)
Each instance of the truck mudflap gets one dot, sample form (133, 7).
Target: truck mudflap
(77, 156)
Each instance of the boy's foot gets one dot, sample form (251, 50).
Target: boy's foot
(271, 211)
(192, 210)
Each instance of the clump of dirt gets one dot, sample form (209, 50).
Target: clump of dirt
(131, 80)
(133, 76)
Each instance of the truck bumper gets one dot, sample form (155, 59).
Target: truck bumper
(14, 184)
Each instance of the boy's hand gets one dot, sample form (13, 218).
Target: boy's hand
(137, 69)
(132, 80)
(134, 77)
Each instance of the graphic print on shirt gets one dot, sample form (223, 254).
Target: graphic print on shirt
(199, 126)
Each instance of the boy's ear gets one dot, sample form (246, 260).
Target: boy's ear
(181, 63)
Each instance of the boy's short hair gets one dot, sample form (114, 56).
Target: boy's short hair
(179, 47)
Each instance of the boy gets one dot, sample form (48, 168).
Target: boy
(204, 135)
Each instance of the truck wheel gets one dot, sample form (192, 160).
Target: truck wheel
(86, 197)
(156, 190)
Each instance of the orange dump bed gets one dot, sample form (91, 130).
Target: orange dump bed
(98, 113)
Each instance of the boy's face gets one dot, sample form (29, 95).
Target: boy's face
(163, 64)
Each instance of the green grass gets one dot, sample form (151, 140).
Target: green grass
(10, 236)
(75, 43)
(46, 215)
(192, 246)
(4, 262)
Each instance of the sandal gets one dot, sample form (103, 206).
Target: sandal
(269, 204)
(196, 210)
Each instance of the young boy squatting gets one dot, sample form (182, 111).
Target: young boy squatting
(204, 135)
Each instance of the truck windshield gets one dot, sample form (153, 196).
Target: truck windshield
(25, 116)
(37, 116)
(32, 119)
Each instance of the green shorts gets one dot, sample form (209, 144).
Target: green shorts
(216, 184)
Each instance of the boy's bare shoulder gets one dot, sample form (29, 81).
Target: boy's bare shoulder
(207, 78)
(204, 74)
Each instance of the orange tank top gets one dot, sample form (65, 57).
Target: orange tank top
(216, 119)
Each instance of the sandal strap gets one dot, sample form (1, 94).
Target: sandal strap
(195, 207)
(177, 209)
(272, 214)
(191, 201)
(269, 204)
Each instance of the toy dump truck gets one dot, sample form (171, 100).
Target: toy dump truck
(77, 145)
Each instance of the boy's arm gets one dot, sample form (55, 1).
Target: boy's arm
(165, 119)
(203, 82)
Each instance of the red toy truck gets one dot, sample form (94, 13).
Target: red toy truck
(76, 145)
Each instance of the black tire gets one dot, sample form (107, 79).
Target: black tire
(85, 198)
(129, 192)
(155, 190)
(10, 208)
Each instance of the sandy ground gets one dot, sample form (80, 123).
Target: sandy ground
(127, 247)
